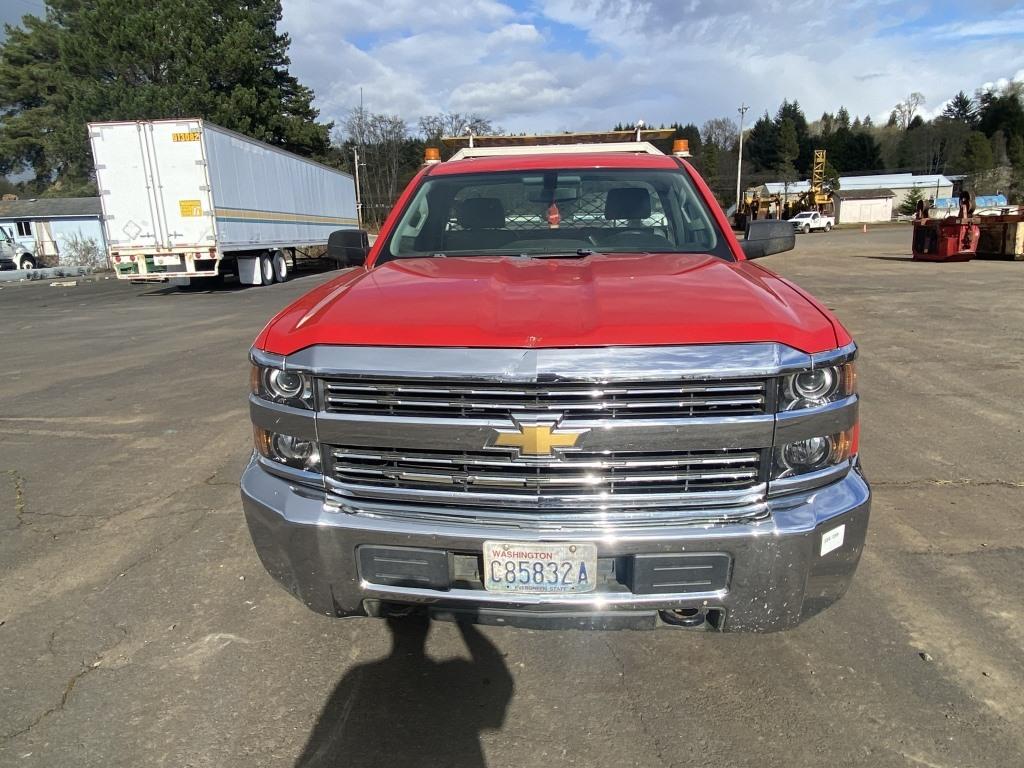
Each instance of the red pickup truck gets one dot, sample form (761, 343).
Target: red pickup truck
(559, 393)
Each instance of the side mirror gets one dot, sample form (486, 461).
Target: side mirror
(763, 238)
(348, 247)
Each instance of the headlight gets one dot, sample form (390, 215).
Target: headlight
(814, 453)
(295, 452)
(285, 384)
(282, 386)
(818, 386)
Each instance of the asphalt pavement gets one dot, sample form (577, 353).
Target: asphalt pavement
(137, 627)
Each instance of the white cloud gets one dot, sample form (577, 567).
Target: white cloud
(660, 60)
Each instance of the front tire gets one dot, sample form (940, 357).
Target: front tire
(807, 228)
(280, 265)
(26, 262)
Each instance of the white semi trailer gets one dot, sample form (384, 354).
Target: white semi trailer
(186, 199)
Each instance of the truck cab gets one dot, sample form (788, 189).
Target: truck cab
(560, 393)
(806, 221)
(17, 245)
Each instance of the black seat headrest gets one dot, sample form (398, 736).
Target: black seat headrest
(627, 203)
(481, 213)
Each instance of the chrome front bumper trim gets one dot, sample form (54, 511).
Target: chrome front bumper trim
(779, 575)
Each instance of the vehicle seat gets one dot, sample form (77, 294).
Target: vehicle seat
(481, 221)
(632, 204)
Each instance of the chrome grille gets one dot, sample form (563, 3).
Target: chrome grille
(620, 479)
(638, 400)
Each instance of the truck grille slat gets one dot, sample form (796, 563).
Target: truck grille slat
(407, 397)
(486, 478)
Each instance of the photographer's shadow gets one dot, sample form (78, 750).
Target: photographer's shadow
(409, 710)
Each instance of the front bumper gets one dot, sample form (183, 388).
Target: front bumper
(779, 576)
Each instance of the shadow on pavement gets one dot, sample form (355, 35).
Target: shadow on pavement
(409, 710)
(907, 258)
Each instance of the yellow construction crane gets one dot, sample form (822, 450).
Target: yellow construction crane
(818, 179)
(816, 198)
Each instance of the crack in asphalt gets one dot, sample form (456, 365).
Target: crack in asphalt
(69, 686)
(87, 668)
(19, 497)
(149, 555)
(99, 520)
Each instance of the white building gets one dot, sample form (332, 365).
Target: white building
(932, 186)
(863, 206)
(56, 231)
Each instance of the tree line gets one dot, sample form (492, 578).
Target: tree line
(225, 61)
(981, 137)
(92, 60)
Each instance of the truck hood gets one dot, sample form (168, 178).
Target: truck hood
(601, 300)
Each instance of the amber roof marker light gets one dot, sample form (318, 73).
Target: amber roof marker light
(431, 155)
(681, 148)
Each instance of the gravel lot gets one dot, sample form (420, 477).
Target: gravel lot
(137, 627)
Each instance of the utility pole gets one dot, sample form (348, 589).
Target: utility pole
(356, 152)
(739, 162)
(359, 197)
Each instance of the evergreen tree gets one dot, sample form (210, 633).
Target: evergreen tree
(805, 154)
(909, 205)
(708, 163)
(1015, 152)
(788, 145)
(761, 144)
(1001, 111)
(977, 154)
(961, 107)
(90, 60)
(826, 124)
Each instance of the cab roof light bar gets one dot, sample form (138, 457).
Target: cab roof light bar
(631, 147)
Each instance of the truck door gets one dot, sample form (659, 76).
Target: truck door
(185, 204)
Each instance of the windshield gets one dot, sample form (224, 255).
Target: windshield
(558, 212)
(803, 216)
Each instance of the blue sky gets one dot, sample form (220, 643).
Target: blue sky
(587, 64)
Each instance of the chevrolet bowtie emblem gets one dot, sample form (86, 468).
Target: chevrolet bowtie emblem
(538, 439)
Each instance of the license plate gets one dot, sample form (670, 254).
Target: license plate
(167, 261)
(511, 566)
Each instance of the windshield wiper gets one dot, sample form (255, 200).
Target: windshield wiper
(579, 253)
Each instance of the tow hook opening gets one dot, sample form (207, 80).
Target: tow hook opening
(692, 617)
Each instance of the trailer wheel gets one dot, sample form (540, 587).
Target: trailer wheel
(266, 267)
(280, 264)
